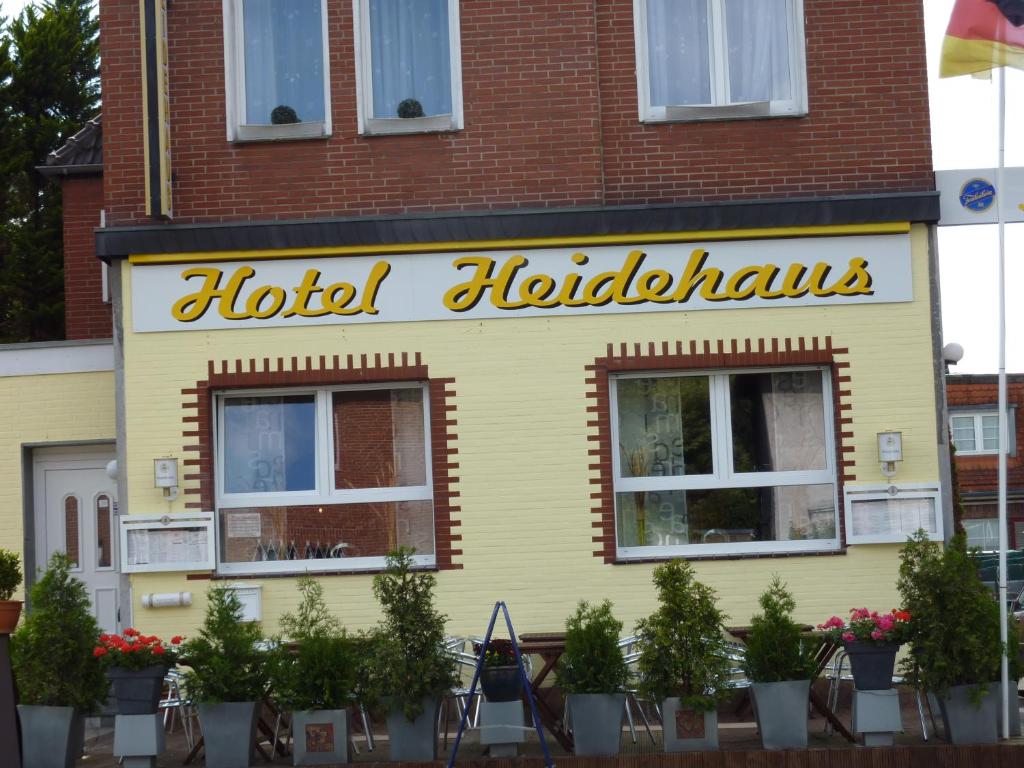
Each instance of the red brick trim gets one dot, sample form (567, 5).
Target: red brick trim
(198, 421)
(734, 353)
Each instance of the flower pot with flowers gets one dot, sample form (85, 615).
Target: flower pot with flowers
(499, 678)
(871, 641)
(58, 677)
(10, 578)
(408, 668)
(227, 679)
(136, 665)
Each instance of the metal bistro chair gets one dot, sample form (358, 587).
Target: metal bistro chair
(175, 703)
(840, 673)
(631, 654)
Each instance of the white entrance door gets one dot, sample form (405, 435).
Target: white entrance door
(74, 513)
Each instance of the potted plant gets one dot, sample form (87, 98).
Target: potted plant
(682, 662)
(780, 663)
(408, 669)
(136, 664)
(871, 641)
(58, 678)
(592, 671)
(315, 679)
(227, 679)
(955, 651)
(500, 679)
(10, 578)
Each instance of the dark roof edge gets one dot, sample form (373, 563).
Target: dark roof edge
(982, 378)
(118, 242)
(56, 171)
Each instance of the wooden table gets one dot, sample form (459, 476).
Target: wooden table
(549, 646)
(822, 656)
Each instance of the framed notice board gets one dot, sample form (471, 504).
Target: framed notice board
(877, 515)
(173, 542)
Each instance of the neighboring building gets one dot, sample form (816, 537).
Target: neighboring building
(551, 292)
(974, 426)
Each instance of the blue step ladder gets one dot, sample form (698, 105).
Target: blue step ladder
(500, 605)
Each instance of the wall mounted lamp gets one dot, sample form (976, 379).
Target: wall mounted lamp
(165, 476)
(890, 450)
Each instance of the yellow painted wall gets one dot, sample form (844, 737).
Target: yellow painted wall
(51, 408)
(524, 484)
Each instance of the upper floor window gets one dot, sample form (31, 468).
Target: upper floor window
(724, 462)
(408, 59)
(276, 69)
(323, 479)
(716, 59)
(975, 433)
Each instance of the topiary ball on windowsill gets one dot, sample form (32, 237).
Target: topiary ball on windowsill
(284, 115)
(410, 108)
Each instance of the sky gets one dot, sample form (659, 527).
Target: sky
(964, 131)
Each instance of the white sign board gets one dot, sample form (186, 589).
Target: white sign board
(662, 277)
(877, 515)
(969, 196)
(178, 542)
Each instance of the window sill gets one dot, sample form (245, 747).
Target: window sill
(334, 566)
(760, 110)
(391, 126)
(745, 555)
(287, 132)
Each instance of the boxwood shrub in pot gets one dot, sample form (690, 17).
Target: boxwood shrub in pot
(314, 678)
(58, 677)
(955, 651)
(227, 679)
(10, 578)
(682, 661)
(593, 673)
(408, 670)
(780, 664)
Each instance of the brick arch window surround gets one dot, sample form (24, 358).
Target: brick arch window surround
(335, 459)
(727, 448)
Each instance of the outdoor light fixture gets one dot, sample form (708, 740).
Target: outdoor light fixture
(890, 450)
(165, 476)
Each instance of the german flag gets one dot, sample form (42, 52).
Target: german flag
(983, 35)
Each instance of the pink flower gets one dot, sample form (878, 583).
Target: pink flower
(877, 634)
(849, 637)
(885, 623)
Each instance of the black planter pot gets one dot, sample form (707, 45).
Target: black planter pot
(137, 691)
(501, 683)
(872, 664)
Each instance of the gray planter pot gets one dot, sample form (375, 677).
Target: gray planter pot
(967, 723)
(229, 730)
(320, 737)
(416, 741)
(51, 737)
(596, 722)
(682, 730)
(782, 713)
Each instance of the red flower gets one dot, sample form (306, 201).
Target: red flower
(158, 650)
(99, 651)
(130, 632)
(176, 640)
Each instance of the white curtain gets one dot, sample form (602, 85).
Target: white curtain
(677, 52)
(284, 59)
(759, 49)
(411, 55)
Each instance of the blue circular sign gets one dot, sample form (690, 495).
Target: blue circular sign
(977, 195)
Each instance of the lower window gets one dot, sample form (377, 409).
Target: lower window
(332, 478)
(721, 463)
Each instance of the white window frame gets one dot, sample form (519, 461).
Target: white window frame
(324, 491)
(720, 108)
(369, 126)
(979, 432)
(234, 85)
(722, 476)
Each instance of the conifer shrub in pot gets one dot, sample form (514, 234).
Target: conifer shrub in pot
(407, 669)
(682, 661)
(59, 679)
(955, 651)
(227, 679)
(316, 680)
(780, 664)
(592, 672)
(10, 578)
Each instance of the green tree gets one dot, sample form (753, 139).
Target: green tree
(49, 88)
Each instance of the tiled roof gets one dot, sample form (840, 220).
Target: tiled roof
(81, 154)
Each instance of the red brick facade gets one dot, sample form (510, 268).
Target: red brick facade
(86, 315)
(550, 121)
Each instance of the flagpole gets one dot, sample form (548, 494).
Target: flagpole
(1004, 442)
